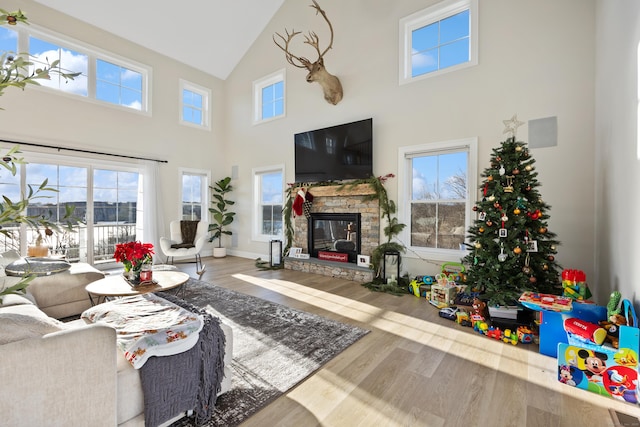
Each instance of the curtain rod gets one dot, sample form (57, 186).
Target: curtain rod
(78, 150)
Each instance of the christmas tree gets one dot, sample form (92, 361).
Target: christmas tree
(511, 249)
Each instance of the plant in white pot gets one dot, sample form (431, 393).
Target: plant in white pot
(221, 215)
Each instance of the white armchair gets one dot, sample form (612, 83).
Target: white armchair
(176, 246)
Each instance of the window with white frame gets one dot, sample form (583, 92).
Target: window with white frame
(104, 196)
(44, 52)
(439, 39)
(118, 84)
(437, 186)
(194, 105)
(104, 77)
(194, 194)
(268, 186)
(268, 97)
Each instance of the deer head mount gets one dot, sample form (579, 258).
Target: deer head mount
(331, 85)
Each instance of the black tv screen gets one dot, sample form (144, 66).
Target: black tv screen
(336, 153)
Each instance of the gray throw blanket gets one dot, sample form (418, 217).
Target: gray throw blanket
(190, 380)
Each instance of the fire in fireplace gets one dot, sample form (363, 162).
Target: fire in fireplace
(334, 232)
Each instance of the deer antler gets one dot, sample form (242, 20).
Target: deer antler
(290, 57)
(317, 72)
(314, 36)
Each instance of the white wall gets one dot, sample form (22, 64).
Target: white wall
(536, 59)
(40, 116)
(617, 162)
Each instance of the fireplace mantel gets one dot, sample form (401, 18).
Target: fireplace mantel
(341, 190)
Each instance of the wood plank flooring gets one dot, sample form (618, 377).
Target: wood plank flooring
(414, 368)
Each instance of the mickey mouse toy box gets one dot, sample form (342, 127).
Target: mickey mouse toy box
(588, 363)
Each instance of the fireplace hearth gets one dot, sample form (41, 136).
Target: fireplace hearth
(334, 232)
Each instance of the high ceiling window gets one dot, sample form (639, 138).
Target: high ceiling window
(438, 39)
(104, 77)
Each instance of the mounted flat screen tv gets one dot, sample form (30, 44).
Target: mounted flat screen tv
(336, 153)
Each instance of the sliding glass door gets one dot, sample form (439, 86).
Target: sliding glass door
(105, 201)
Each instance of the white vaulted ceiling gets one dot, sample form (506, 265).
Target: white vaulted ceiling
(209, 35)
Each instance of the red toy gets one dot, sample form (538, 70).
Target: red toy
(586, 330)
(494, 333)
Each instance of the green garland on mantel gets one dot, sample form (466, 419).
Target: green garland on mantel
(387, 211)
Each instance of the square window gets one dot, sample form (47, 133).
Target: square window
(118, 85)
(438, 39)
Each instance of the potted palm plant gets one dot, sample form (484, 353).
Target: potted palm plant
(221, 215)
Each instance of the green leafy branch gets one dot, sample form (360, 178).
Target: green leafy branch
(16, 71)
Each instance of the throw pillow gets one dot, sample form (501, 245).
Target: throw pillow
(18, 327)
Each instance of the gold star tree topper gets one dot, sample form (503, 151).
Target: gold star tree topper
(512, 125)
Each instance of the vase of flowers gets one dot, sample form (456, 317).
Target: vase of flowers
(133, 255)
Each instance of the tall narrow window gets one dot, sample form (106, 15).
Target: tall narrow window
(115, 195)
(118, 85)
(194, 194)
(437, 182)
(195, 101)
(440, 38)
(268, 94)
(268, 200)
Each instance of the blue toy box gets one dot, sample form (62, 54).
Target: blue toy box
(603, 369)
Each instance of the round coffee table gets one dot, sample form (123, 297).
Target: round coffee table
(116, 286)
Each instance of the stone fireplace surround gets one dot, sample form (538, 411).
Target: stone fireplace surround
(339, 199)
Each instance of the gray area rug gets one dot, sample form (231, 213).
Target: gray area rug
(274, 348)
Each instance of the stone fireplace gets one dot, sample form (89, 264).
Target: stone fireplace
(344, 219)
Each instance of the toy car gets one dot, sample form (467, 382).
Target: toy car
(448, 313)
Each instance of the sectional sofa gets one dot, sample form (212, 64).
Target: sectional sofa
(67, 374)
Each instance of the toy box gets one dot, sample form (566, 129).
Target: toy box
(603, 369)
(443, 296)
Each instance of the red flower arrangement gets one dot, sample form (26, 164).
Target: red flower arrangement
(133, 254)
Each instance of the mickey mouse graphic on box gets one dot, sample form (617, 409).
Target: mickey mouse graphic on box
(604, 369)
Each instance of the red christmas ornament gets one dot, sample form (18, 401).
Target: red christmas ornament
(532, 279)
(516, 171)
(489, 223)
(474, 208)
(551, 258)
(496, 205)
